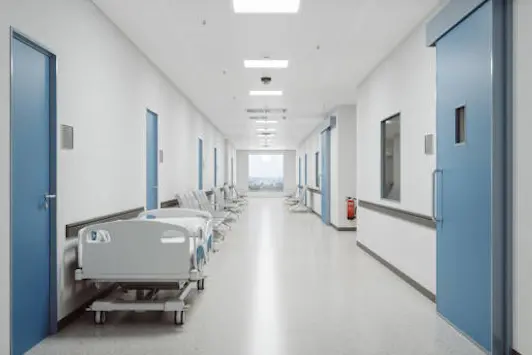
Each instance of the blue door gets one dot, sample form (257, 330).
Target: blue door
(463, 202)
(200, 164)
(299, 171)
(306, 169)
(325, 176)
(152, 160)
(215, 167)
(32, 196)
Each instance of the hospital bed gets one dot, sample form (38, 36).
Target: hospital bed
(162, 250)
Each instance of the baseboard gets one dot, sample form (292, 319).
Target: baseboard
(515, 352)
(316, 213)
(78, 312)
(344, 229)
(420, 288)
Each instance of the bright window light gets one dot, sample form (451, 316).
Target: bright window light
(265, 121)
(266, 93)
(266, 64)
(266, 6)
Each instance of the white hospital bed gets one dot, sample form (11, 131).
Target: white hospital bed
(163, 249)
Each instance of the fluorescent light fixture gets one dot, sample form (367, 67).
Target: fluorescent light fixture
(266, 93)
(266, 64)
(265, 129)
(265, 121)
(266, 6)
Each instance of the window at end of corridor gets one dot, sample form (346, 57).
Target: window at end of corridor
(391, 158)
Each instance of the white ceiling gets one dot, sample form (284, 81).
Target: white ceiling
(201, 45)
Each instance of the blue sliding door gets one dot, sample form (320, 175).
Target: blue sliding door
(33, 151)
(325, 176)
(463, 201)
(200, 164)
(152, 161)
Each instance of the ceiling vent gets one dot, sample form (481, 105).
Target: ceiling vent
(266, 111)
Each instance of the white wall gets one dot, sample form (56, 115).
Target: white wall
(522, 179)
(405, 82)
(346, 127)
(289, 161)
(104, 87)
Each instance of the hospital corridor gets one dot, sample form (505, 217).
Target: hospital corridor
(265, 177)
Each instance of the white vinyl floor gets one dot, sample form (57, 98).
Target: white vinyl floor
(282, 284)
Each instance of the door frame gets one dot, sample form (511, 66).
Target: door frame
(502, 154)
(18, 35)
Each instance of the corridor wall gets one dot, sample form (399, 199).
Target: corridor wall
(343, 164)
(105, 84)
(405, 83)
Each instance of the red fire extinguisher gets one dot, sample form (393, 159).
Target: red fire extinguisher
(351, 208)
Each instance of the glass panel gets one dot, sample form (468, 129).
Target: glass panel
(266, 173)
(391, 158)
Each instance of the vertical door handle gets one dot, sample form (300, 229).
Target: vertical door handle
(47, 198)
(435, 201)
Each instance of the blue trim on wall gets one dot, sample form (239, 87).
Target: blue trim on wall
(451, 15)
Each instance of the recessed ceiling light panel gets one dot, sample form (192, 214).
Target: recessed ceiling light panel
(266, 6)
(266, 93)
(266, 64)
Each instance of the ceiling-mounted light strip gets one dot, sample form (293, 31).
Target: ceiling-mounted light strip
(266, 129)
(266, 64)
(266, 93)
(266, 6)
(265, 121)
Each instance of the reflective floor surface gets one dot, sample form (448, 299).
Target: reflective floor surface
(282, 284)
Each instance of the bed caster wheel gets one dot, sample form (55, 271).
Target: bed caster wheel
(179, 317)
(201, 284)
(100, 317)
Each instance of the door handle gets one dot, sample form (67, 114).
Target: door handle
(47, 198)
(435, 196)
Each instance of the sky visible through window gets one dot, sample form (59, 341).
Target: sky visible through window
(266, 172)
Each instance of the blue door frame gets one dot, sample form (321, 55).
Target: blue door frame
(200, 164)
(215, 167)
(474, 243)
(33, 193)
(325, 176)
(152, 160)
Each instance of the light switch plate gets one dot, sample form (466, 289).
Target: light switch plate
(67, 137)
